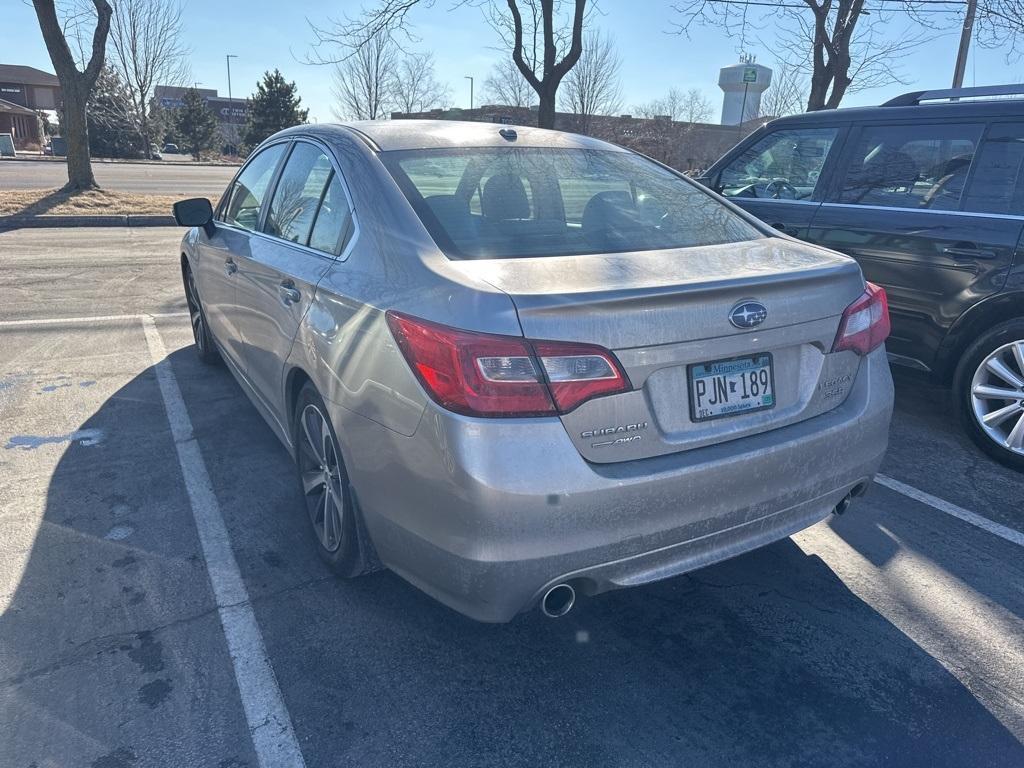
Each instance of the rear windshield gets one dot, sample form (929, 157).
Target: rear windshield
(532, 201)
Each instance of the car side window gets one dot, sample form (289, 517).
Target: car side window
(333, 226)
(784, 165)
(910, 166)
(298, 194)
(248, 193)
(997, 185)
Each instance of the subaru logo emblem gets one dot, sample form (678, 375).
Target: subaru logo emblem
(748, 314)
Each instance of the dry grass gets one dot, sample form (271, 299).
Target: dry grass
(95, 202)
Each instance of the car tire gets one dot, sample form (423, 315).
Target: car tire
(206, 347)
(326, 490)
(995, 424)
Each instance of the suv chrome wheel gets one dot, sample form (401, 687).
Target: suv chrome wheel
(321, 478)
(997, 396)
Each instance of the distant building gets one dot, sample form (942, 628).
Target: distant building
(231, 113)
(23, 92)
(682, 145)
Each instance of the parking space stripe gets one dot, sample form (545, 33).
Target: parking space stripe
(1002, 531)
(270, 725)
(88, 319)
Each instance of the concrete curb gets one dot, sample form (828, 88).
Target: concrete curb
(130, 220)
(102, 161)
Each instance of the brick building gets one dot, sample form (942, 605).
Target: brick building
(682, 145)
(23, 92)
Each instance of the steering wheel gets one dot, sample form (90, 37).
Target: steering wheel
(774, 190)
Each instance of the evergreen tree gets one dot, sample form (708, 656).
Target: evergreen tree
(195, 124)
(274, 107)
(111, 118)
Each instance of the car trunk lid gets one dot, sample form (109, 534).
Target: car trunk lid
(662, 312)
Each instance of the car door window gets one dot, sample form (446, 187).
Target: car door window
(298, 194)
(784, 165)
(248, 193)
(910, 166)
(997, 185)
(333, 226)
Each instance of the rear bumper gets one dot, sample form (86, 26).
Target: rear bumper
(484, 515)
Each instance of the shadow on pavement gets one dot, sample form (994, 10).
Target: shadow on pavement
(766, 660)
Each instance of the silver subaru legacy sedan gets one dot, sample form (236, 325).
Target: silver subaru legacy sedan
(516, 366)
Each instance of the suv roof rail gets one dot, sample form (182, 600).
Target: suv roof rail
(916, 97)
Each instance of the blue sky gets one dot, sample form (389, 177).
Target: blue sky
(271, 33)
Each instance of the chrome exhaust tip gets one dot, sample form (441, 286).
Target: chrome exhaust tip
(843, 505)
(558, 601)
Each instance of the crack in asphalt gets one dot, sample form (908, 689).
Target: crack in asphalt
(95, 646)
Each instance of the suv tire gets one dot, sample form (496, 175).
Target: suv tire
(1000, 348)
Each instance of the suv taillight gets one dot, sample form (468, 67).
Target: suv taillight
(865, 323)
(482, 374)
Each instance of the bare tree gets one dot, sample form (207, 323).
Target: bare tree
(544, 37)
(836, 42)
(787, 95)
(592, 86)
(507, 86)
(689, 106)
(694, 107)
(414, 86)
(363, 82)
(76, 85)
(147, 50)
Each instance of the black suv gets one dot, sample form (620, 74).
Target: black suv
(927, 193)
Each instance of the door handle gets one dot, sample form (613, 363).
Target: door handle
(289, 293)
(230, 267)
(779, 226)
(968, 251)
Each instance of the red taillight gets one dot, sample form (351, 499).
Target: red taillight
(865, 323)
(480, 374)
(577, 372)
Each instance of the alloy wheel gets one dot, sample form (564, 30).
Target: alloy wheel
(321, 478)
(997, 396)
(195, 312)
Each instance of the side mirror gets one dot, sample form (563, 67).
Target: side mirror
(195, 212)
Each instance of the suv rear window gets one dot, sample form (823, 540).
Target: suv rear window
(534, 201)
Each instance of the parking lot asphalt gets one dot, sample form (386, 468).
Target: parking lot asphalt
(147, 178)
(893, 635)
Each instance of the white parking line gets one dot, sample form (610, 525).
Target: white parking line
(88, 319)
(270, 725)
(1002, 531)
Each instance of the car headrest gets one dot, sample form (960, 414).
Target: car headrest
(504, 197)
(888, 168)
(603, 215)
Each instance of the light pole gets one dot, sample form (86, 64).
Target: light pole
(228, 59)
(470, 92)
(231, 102)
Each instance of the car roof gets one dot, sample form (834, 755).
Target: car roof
(1009, 108)
(390, 135)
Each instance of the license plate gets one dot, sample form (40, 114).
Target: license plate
(731, 387)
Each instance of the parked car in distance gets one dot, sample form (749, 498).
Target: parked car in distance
(515, 365)
(170, 148)
(926, 192)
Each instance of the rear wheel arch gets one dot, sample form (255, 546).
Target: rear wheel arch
(983, 316)
(293, 383)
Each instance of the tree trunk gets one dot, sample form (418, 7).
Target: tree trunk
(76, 131)
(546, 111)
(75, 85)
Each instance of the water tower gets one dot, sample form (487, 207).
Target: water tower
(743, 84)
